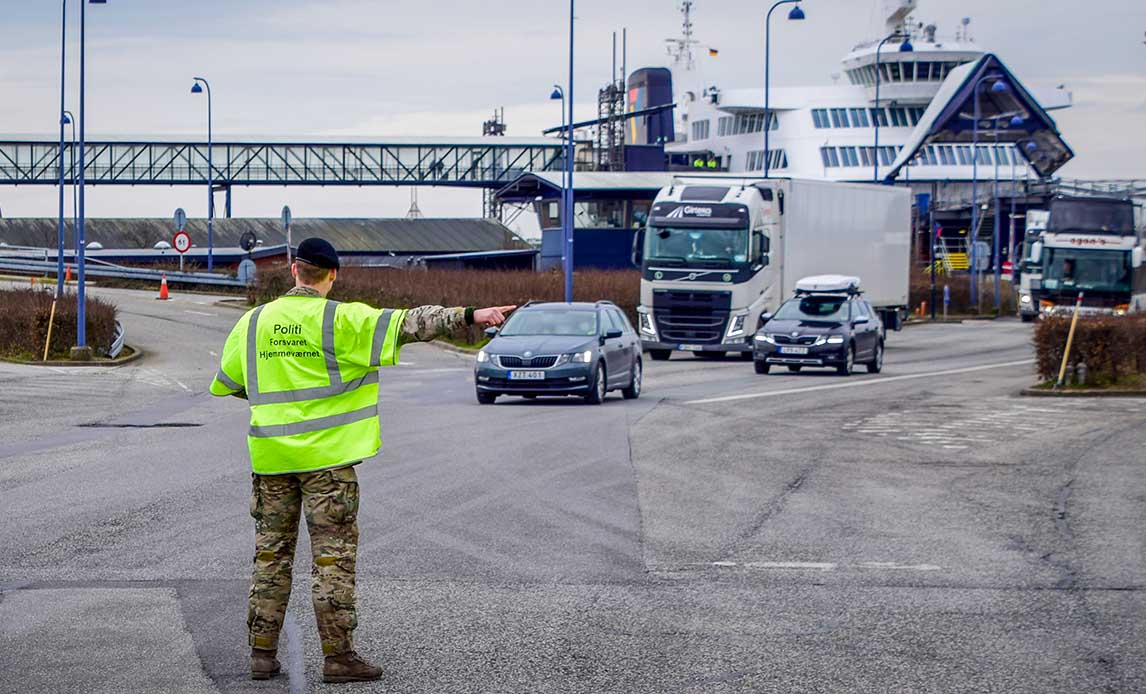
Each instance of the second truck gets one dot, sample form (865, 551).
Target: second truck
(719, 252)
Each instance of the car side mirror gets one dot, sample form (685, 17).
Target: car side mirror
(1036, 251)
(490, 333)
(1136, 257)
(638, 254)
(765, 317)
(612, 334)
(861, 320)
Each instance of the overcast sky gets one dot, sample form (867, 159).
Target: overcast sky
(440, 67)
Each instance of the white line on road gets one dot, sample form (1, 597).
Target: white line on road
(824, 565)
(858, 384)
(197, 313)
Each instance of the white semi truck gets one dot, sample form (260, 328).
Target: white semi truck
(1030, 267)
(1091, 246)
(719, 252)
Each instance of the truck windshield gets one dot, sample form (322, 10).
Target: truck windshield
(697, 246)
(1070, 269)
(818, 308)
(1095, 216)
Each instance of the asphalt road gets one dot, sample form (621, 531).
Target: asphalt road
(924, 530)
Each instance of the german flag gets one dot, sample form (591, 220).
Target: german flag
(712, 52)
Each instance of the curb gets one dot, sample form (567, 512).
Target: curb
(447, 347)
(1087, 393)
(136, 355)
(234, 304)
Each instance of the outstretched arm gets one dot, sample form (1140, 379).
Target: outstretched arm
(427, 322)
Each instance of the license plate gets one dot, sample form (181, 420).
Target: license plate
(690, 348)
(527, 375)
(793, 350)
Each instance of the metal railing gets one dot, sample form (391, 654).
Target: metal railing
(99, 268)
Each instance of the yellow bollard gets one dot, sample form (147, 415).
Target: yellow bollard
(1069, 340)
(51, 320)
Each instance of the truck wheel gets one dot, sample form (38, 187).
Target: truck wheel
(597, 386)
(660, 354)
(486, 398)
(762, 367)
(1028, 318)
(845, 369)
(876, 363)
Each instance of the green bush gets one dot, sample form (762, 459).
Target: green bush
(399, 288)
(24, 317)
(1113, 348)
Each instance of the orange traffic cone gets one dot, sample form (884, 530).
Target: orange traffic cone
(163, 295)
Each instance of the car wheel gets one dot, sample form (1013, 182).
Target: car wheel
(660, 354)
(597, 388)
(634, 390)
(845, 369)
(762, 367)
(486, 398)
(876, 363)
(795, 368)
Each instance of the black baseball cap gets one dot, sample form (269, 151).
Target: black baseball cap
(317, 252)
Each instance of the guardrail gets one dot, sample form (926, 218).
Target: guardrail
(27, 266)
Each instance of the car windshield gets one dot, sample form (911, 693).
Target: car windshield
(551, 322)
(697, 245)
(818, 308)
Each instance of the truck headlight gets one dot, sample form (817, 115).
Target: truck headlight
(735, 327)
(645, 321)
(1025, 298)
(482, 357)
(582, 357)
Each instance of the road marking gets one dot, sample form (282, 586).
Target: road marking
(798, 565)
(823, 565)
(197, 313)
(858, 384)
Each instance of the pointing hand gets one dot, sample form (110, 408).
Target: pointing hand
(493, 316)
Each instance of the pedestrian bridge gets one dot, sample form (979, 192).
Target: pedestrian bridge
(476, 162)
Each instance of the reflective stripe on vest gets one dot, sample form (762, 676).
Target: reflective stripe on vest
(332, 417)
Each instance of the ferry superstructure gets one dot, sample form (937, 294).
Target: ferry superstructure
(828, 131)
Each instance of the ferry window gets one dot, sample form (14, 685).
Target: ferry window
(824, 156)
(833, 156)
(599, 214)
(853, 159)
(865, 156)
(924, 71)
(964, 153)
(774, 120)
(896, 72)
(779, 159)
(945, 155)
(859, 118)
(886, 155)
(981, 155)
(839, 118)
(722, 125)
(880, 115)
(700, 130)
(819, 118)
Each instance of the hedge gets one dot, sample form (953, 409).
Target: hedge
(1113, 348)
(24, 324)
(406, 288)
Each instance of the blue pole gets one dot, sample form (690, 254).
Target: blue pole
(975, 202)
(81, 309)
(63, 76)
(995, 236)
(768, 76)
(567, 229)
(878, 111)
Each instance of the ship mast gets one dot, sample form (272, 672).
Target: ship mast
(680, 48)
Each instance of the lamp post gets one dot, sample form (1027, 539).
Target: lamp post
(63, 78)
(559, 94)
(197, 88)
(795, 14)
(567, 226)
(81, 351)
(70, 120)
(904, 47)
(998, 86)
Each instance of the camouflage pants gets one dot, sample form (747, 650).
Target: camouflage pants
(330, 500)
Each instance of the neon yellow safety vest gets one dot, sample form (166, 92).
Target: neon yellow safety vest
(309, 368)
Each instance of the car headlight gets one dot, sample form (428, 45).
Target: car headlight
(582, 357)
(482, 357)
(835, 339)
(765, 337)
(736, 326)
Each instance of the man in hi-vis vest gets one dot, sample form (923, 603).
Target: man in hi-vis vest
(308, 367)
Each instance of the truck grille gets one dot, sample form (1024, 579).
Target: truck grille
(512, 362)
(691, 317)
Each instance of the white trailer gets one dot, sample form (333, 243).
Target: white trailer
(718, 253)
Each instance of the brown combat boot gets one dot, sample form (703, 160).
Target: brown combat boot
(348, 667)
(264, 664)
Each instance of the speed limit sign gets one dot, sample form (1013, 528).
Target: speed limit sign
(182, 241)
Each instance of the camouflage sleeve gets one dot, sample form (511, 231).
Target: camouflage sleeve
(427, 322)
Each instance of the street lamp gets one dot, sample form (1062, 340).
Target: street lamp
(63, 120)
(795, 14)
(559, 94)
(904, 47)
(997, 87)
(197, 88)
(567, 213)
(69, 120)
(81, 351)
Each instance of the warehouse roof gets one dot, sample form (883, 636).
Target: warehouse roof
(348, 235)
